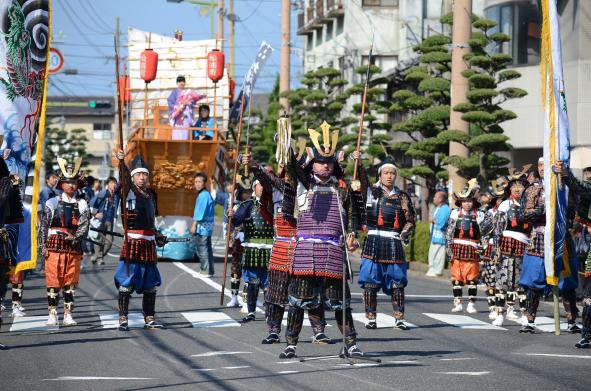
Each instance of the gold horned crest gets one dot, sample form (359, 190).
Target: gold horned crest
(329, 139)
(514, 174)
(69, 172)
(471, 186)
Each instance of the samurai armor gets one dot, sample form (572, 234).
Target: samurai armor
(465, 252)
(277, 289)
(383, 249)
(466, 227)
(58, 243)
(535, 246)
(62, 269)
(258, 239)
(141, 210)
(139, 251)
(284, 244)
(511, 247)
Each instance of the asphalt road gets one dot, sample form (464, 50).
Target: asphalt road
(438, 354)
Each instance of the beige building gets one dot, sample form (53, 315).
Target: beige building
(522, 21)
(94, 114)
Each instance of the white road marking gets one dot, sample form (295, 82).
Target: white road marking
(287, 372)
(306, 320)
(203, 319)
(110, 320)
(418, 296)
(218, 353)
(287, 362)
(358, 365)
(463, 322)
(384, 321)
(457, 359)
(546, 324)
(31, 323)
(101, 378)
(208, 281)
(555, 355)
(238, 367)
(401, 362)
(465, 373)
(203, 369)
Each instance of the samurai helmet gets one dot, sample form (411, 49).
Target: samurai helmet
(327, 151)
(468, 194)
(517, 176)
(69, 171)
(138, 165)
(498, 186)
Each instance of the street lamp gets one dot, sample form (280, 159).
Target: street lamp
(211, 4)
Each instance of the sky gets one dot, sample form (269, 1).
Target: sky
(83, 31)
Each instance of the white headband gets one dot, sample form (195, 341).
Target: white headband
(139, 169)
(256, 181)
(389, 165)
(541, 160)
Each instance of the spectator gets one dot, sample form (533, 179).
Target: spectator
(438, 228)
(96, 187)
(223, 198)
(204, 121)
(103, 208)
(202, 227)
(50, 190)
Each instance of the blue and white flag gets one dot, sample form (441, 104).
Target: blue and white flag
(248, 85)
(556, 145)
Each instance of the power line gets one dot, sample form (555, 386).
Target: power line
(78, 17)
(97, 15)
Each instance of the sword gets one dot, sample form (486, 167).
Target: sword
(85, 239)
(120, 235)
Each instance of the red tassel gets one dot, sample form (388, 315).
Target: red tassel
(513, 221)
(380, 218)
(396, 222)
(471, 230)
(461, 224)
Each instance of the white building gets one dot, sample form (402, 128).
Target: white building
(521, 19)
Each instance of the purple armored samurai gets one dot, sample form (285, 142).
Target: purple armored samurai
(325, 205)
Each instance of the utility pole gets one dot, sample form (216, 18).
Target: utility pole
(220, 35)
(461, 33)
(285, 51)
(232, 43)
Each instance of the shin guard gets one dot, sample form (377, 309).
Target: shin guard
(52, 297)
(490, 297)
(370, 300)
(149, 303)
(295, 320)
(533, 301)
(316, 317)
(348, 329)
(398, 302)
(69, 292)
(586, 332)
(569, 300)
(252, 292)
(17, 293)
(472, 291)
(274, 317)
(124, 302)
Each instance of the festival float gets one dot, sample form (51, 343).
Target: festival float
(166, 143)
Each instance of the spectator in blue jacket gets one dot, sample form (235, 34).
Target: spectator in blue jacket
(438, 228)
(204, 121)
(202, 228)
(103, 208)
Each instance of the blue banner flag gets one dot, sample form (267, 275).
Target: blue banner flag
(556, 145)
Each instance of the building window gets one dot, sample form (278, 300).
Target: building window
(521, 21)
(310, 41)
(380, 3)
(102, 131)
(319, 37)
(329, 29)
(340, 24)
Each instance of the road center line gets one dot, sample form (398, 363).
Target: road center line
(99, 378)
(218, 353)
(465, 373)
(555, 355)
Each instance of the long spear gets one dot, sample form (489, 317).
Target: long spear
(363, 103)
(231, 203)
(122, 180)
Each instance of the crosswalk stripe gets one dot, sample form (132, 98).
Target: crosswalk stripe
(202, 319)
(545, 324)
(31, 323)
(384, 321)
(306, 321)
(463, 322)
(110, 320)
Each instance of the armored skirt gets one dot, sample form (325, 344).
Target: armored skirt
(465, 265)
(63, 261)
(137, 267)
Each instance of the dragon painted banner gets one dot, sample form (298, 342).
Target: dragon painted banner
(24, 49)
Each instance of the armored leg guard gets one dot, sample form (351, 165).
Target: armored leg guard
(586, 332)
(316, 317)
(124, 295)
(348, 329)
(522, 299)
(569, 300)
(398, 302)
(274, 318)
(457, 289)
(52, 298)
(69, 292)
(295, 320)
(370, 300)
(533, 301)
(501, 301)
(235, 284)
(511, 298)
(472, 291)
(490, 298)
(252, 292)
(17, 293)
(149, 303)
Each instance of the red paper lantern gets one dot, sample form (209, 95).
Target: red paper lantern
(124, 92)
(232, 88)
(148, 65)
(215, 65)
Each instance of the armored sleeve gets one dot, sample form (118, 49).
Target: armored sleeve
(241, 213)
(409, 212)
(268, 180)
(581, 189)
(46, 217)
(449, 235)
(83, 225)
(296, 171)
(487, 226)
(533, 210)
